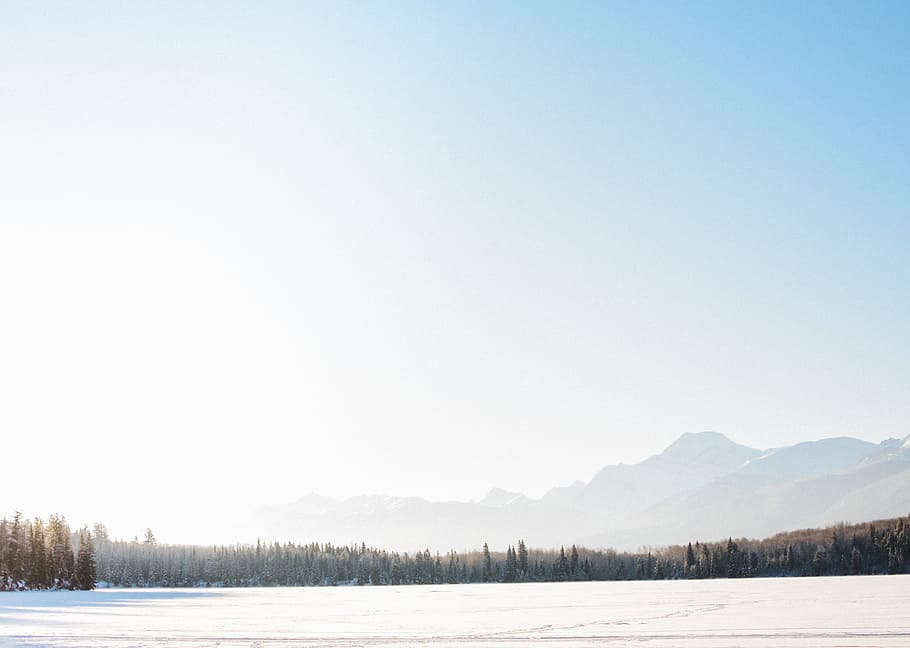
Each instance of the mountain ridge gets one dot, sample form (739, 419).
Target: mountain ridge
(702, 485)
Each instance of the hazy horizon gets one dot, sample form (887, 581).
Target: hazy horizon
(249, 252)
(244, 525)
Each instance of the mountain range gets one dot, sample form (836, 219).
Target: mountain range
(703, 486)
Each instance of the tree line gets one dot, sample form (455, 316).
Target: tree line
(38, 555)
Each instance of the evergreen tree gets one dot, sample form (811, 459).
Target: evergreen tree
(487, 564)
(100, 535)
(15, 557)
(561, 566)
(690, 559)
(732, 555)
(856, 561)
(511, 566)
(522, 560)
(819, 562)
(86, 570)
(397, 571)
(375, 578)
(4, 568)
(39, 572)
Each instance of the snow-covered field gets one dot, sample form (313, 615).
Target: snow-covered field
(854, 611)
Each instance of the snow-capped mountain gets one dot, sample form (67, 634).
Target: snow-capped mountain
(691, 461)
(703, 486)
(811, 458)
(497, 497)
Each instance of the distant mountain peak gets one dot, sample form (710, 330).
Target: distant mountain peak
(896, 443)
(705, 445)
(708, 436)
(501, 497)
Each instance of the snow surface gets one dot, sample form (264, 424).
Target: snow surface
(784, 612)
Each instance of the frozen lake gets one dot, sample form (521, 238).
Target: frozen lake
(853, 611)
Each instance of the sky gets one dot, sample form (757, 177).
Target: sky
(250, 251)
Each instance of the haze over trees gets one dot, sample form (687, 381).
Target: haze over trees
(35, 555)
(39, 555)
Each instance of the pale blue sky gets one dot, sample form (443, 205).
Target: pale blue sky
(430, 248)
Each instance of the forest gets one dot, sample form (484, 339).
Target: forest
(35, 554)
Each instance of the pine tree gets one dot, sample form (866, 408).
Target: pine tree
(86, 570)
(856, 561)
(39, 573)
(522, 560)
(511, 566)
(61, 560)
(487, 564)
(819, 562)
(397, 571)
(4, 540)
(375, 578)
(704, 561)
(690, 558)
(15, 554)
(561, 566)
(100, 535)
(732, 554)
